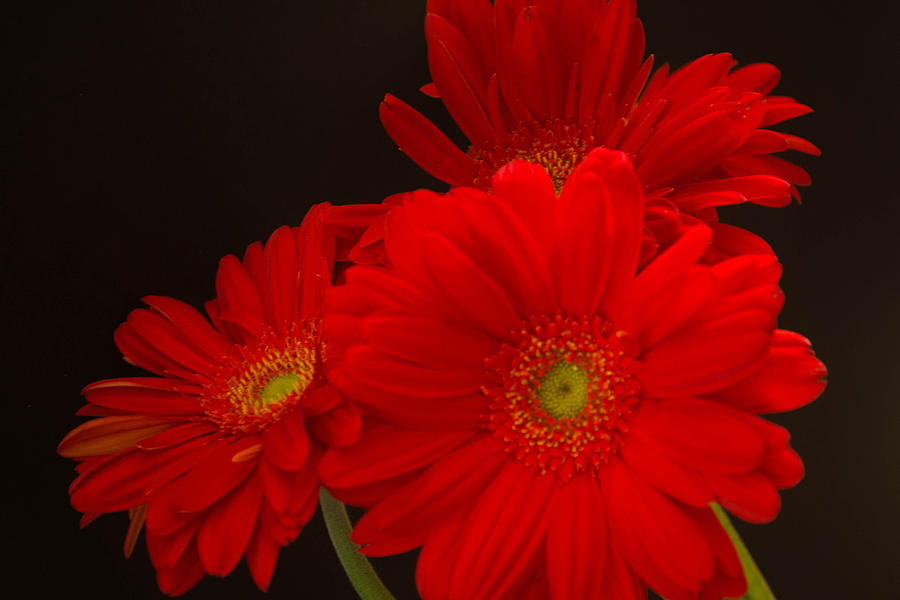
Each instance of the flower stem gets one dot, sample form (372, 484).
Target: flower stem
(757, 588)
(357, 567)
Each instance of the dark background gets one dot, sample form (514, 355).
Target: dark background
(150, 139)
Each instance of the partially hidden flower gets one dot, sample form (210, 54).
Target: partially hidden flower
(549, 80)
(218, 451)
(547, 421)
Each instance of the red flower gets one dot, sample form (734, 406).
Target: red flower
(542, 420)
(219, 452)
(549, 80)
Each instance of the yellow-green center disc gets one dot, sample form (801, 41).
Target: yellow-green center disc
(278, 387)
(563, 391)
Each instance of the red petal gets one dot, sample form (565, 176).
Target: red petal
(509, 254)
(781, 109)
(146, 395)
(237, 292)
(430, 90)
(119, 483)
(619, 581)
(666, 475)
(213, 477)
(254, 262)
(371, 288)
(447, 488)
(790, 377)
(604, 193)
(395, 375)
(139, 352)
(370, 494)
(459, 77)
(452, 413)
(337, 427)
(528, 190)
(433, 569)
(734, 241)
(708, 356)
(502, 537)
(166, 550)
(276, 484)
(137, 517)
(759, 189)
(182, 576)
(322, 399)
(645, 288)
(315, 255)
(614, 38)
(192, 324)
(425, 143)
(304, 495)
(658, 539)
(226, 531)
(286, 444)
(427, 341)
(764, 141)
(758, 77)
(385, 451)
(192, 452)
(262, 554)
(283, 278)
(584, 227)
(478, 298)
(729, 579)
(165, 338)
(750, 496)
(576, 541)
(178, 435)
(700, 434)
(109, 435)
(677, 303)
(533, 57)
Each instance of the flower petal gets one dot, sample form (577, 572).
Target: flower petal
(790, 377)
(447, 488)
(225, 532)
(708, 356)
(658, 539)
(386, 451)
(700, 434)
(576, 541)
(503, 535)
(286, 444)
(108, 435)
(665, 474)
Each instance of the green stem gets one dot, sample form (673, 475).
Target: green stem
(757, 588)
(358, 568)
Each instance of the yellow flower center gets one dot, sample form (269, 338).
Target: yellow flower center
(556, 146)
(271, 377)
(564, 391)
(279, 387)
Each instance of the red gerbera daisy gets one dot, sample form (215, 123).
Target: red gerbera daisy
(544, 421)
(219, 452)
(549, 80)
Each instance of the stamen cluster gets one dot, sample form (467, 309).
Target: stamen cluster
(557, 146)
(566, 391)
(272, 376)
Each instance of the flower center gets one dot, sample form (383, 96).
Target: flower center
(564, 393)
(556, 146)
(272, 377)
(564, 390)
(279, 387)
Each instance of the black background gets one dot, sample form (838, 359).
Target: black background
(150, 139)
